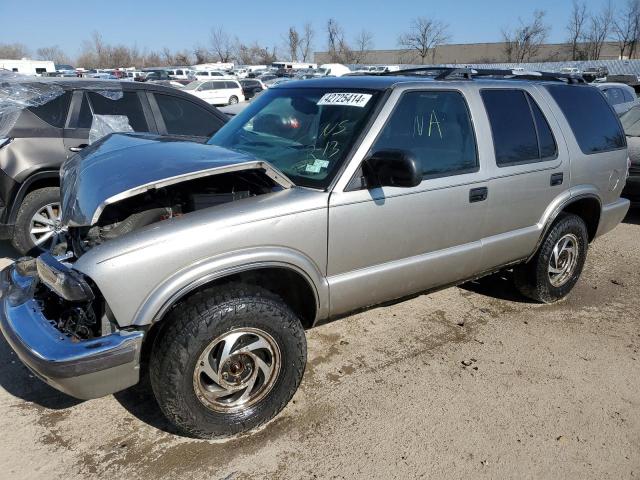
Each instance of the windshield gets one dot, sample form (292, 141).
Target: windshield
(192, 85)
(631, 122)
(305, 132)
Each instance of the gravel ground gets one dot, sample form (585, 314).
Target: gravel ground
(466, 382)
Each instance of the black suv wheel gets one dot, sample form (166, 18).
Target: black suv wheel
(555, 269)
(228, 360)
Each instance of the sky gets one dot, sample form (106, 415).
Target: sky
(183, 24)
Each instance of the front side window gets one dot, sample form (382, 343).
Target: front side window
(305, 132)
(436, 128)
(521, 133)
(592, 120)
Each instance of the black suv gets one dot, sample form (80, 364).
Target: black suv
(43, 137)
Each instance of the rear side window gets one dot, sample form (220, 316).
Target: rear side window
(521, 133)
(218, 85)
(436, 128)
(128, 105)
(592, 121)
(182, 117)
(55, 111)
(231, 85)
(628, 97)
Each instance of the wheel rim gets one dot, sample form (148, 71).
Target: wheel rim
(45, 228)
(563, 260)
(237, 370)
(233, 100)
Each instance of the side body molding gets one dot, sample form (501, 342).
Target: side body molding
(208, 270)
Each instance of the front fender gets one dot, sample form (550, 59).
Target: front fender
(205, 271)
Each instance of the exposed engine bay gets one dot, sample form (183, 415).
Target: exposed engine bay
(161, 204)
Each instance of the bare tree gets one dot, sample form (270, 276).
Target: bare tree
(221, 44)
(53, 53)
(576, 27)
(306, 42)
(201, 54)
(600, 26)
(524, 42)
(292, 42)
(13, 51)
(626, 28)
(363, 43)
(335, 41)
(424, 36)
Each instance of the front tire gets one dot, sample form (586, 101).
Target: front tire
(229, 359)
(556, 267)
(38, 225)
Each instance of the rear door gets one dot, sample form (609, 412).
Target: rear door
(131, 104)
(219, 92)
(529, 169)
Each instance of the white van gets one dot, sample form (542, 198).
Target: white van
(333, 70)
(216, 92)
(211, 74)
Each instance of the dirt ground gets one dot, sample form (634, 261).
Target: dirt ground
(469, 382)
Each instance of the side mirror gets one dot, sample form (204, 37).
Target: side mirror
(392, 168)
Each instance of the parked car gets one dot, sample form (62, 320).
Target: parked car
(251, 87)
(217, 92)
(333, 70)
(622, 97)
(154, 75)
(631, 124)
(276, 81)
(322, 197)
(592, 73)
(43, 137)
(212, 75)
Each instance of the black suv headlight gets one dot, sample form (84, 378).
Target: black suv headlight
(67, 283)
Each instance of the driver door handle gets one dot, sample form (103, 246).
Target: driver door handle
(77, 149)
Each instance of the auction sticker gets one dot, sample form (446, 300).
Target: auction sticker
(346, 99)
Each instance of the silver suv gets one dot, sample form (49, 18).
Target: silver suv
(204, 264)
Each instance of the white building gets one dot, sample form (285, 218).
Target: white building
(28, 67)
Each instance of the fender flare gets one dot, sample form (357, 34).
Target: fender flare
(24, 188)
(206, 271)
(556, 207)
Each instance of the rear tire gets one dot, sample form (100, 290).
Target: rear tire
(36, 202)
(556, 267)
(216, 342)
(233, 100)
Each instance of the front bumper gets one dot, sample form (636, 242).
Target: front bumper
(81, 368)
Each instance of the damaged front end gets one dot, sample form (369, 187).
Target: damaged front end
(129, 181)
(60, 328)
(54, 316)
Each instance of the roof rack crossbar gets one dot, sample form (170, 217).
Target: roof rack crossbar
(457, 73)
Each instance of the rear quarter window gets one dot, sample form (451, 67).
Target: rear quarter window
(55, 111)
(592, 120)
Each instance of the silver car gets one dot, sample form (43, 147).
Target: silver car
(204, 264)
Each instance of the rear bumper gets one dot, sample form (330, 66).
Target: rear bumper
(611, 215)
(83, 369)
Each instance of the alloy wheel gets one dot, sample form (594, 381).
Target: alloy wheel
(237, 370)
(563, 260)
(45, 228)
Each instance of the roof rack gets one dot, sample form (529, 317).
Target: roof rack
(466, 73)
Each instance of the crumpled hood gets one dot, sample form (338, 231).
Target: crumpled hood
(123, 165)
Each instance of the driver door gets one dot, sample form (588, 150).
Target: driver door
(389, 242)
